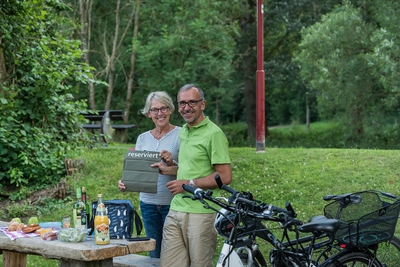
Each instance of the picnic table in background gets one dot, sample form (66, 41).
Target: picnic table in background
(102, 121)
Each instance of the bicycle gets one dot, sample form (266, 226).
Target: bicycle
(388, 250)
(239, 221)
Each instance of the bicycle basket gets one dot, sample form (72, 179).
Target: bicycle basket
(371, 221)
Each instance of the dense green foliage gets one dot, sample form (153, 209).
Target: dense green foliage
(350, 61)
(333, 135)
(43, 80)
(320, 135)
(285, 92)
(301, 176)
(39, 122)
(208, 42)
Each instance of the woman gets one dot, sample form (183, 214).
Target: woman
(164, 138)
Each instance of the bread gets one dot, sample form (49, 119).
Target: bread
(15, 226)
(30, 228)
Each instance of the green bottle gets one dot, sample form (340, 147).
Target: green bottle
(79, 206)
(86, 211)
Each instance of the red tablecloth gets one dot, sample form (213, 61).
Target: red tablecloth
(16, 234)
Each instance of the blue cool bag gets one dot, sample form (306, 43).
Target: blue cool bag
(122, 216)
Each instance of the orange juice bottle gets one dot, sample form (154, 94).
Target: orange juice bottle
(101, 223)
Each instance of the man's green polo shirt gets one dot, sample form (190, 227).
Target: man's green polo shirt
(202, 146)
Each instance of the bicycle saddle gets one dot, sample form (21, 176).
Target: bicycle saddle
(320, 223)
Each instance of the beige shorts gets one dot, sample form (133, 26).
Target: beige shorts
(189, 239)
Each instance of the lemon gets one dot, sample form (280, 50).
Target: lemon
(33, 220)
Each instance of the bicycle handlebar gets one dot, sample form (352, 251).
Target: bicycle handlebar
(253, 208)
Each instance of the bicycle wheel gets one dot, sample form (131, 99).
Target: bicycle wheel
(353, 259)
(389, 253)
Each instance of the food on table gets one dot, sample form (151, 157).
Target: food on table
(66, 222)
(49, 236)
(43, 231)
(72, 234)
(30, 228)
(15, 226)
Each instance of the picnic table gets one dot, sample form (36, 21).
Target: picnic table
(102, 121)
(83, 254)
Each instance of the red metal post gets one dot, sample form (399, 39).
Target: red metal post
(260, 80)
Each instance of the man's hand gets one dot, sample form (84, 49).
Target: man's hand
(164, 169)
(175, 186)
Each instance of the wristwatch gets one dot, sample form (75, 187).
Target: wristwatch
(191, 183)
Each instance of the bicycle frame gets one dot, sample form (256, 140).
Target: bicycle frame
(254, 228)
(230, 257)
(243, 221)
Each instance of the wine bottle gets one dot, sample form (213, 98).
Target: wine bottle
(86, 212)
(101, 223)
(77, 211)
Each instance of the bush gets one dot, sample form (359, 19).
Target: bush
(320, 135)
(237, 134)
(333, 135)
(40, 120)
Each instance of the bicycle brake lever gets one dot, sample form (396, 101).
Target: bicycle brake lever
(222, 198)
(195, 197)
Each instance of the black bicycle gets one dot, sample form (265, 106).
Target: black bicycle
(369, 219)
(240, 222)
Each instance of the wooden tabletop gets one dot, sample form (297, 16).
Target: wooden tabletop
(83, 251)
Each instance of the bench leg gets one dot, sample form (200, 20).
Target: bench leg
(14, 259)
(73, 263)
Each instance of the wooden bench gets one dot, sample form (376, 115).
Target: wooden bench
(135, 260)
(102, 121)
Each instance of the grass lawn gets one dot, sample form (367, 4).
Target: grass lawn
(301, 176)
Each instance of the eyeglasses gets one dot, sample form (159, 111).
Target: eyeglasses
(155, 111)
(191, 103)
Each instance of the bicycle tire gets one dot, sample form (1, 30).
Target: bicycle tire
(354, 259)
(389, 253)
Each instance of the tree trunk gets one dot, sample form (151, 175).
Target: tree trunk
(250, 101)
(132, 70)
(307, 114)
(85, 10)
(129, 89)
(115, 48)
(358, 127)
(111, 58)
(3, 70)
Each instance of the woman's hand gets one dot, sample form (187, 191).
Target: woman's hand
(166, 156)
(121, 186)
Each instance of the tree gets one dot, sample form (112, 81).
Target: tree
(354, 80)
(212, 43)
(183, 42)
(85, 19)
(386, 54)
(285, 93)
(40, 121)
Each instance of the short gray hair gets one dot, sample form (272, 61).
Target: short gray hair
(190, 86)
(161, 96)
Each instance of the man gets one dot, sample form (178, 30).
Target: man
(189, 238)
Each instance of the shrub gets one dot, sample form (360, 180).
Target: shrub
(40, 120)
